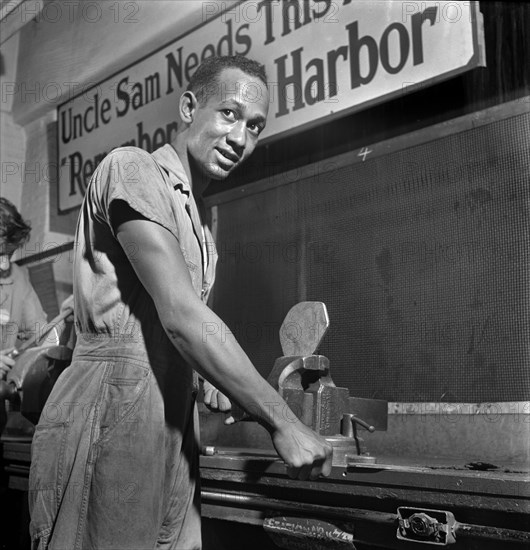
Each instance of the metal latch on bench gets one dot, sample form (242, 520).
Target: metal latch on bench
(434, 527)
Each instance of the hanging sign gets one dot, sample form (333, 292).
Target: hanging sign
(324, 59)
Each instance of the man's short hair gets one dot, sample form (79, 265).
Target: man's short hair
(205, 80)
(14, 231)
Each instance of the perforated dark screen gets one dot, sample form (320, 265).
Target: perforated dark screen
(421, 256)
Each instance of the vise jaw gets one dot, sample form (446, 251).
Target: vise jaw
(303, 379)
(306, 386)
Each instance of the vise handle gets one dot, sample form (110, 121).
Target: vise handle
(348, 422)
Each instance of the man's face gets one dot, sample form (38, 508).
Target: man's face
(225, 130)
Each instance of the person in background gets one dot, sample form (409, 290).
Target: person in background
(127, 474)
(21, 313)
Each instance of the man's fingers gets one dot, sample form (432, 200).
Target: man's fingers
(305, 471)
(210, 399)
(229, 420)
(318, 469)
(223, 402)
(328, 463)
(217, 401)
(320, 465)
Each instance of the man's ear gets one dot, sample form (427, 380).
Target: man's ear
(187, 106)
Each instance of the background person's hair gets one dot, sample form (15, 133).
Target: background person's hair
(205, 80)
(13, 229)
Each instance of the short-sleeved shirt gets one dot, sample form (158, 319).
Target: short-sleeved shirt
(110, 300)
(21, 313)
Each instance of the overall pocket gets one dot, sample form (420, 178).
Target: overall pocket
(123, 387)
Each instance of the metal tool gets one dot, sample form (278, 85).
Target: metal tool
(304, 328)
(303, 379)
(37, 338)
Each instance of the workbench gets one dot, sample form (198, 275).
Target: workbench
(361, 506)
(248, 501)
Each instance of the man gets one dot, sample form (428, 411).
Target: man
(115, 463)
(21, 313)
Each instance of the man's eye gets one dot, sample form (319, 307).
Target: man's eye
(255, 128)
(228, 113)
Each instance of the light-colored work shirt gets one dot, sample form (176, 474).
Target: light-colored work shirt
(109, 298)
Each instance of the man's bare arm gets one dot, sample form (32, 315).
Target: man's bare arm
(216, 355)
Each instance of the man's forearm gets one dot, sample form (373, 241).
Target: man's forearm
(217, 356)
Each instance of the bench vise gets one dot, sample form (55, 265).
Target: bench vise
(303, 379)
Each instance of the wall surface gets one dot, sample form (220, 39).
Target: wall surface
(74, 45)
(12, 137)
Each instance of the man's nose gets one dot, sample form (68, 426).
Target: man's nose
(237, 137)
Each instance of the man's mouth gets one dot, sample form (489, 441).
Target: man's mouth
(229, 155)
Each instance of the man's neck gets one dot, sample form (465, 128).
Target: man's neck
(197, 180)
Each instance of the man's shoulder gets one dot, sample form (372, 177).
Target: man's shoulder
(127, 163)
(129, 153)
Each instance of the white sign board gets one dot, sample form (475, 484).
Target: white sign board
(324, 58)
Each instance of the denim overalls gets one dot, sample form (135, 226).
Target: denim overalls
(115, 453)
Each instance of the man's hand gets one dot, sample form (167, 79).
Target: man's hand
(306, 454)
(6, 362)
(217, 401)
